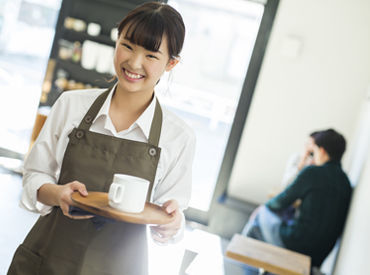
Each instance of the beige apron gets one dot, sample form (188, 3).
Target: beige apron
(62, 246)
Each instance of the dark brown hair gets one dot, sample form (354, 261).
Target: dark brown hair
(333, 143)
(149, 22)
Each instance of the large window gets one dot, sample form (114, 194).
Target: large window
(205, 87)
(26, 35)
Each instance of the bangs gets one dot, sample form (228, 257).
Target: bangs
(146, 31)
(146, 25)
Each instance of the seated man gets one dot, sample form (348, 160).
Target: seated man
(324, 191)
(298, 161)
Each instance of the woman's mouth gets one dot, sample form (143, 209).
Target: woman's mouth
(131, 76)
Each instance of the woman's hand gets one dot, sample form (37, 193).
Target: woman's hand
(60, 195)
(65, 197)
(165, 232)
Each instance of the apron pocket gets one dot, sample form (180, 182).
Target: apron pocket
(25, 262)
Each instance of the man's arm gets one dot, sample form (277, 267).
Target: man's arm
(293, 192)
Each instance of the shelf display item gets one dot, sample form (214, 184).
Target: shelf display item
(75, 24)
(68, 23)
(114, 34)
(65, 49)
(90, 51)
(105, 59)
(93, 29)
(76, 52)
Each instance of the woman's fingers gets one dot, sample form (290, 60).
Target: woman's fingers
(160, 238)
(65, 200)
(80, 187)
(165, 232)
(170, 206)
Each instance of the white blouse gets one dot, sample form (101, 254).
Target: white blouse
(43, 163)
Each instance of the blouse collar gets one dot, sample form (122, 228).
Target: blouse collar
(144, 121)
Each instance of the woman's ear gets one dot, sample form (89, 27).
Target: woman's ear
(172, 63)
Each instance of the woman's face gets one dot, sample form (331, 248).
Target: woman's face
(138, 69)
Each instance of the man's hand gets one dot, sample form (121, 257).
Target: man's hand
(164, 233)
(306, 159)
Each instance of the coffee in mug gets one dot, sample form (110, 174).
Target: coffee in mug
(128, 193)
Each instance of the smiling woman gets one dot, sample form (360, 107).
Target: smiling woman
(89, 136)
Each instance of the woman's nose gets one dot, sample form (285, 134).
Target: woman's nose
(135, 61)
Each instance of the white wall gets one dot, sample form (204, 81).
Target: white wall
(322, 86)
(353, 258)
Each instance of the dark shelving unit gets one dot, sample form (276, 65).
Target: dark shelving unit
(106, 13)
(84, 75)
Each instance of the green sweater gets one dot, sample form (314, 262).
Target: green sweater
(325, 192)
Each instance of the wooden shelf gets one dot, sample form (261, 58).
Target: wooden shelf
(122, 4)
(78, 73)
(72, 36)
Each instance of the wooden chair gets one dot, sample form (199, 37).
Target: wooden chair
(267, 257)
(39, 122)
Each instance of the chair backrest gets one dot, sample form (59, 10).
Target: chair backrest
(39, 122)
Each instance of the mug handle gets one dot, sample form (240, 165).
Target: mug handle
(115, 194)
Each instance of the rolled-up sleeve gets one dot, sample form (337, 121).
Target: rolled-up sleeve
(177, 179)
(294, 191)
(176, 183)
(40, 165)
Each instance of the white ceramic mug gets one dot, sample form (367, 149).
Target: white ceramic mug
(128, 193)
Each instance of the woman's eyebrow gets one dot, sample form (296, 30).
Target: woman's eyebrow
(128, 40)
(158, 51)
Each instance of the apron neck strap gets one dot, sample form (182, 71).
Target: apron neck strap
(93, 111)
(155, 129)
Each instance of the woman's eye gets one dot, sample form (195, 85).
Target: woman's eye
(152, 56)
(127, 46)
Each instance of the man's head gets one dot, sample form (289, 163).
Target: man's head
(329, 145)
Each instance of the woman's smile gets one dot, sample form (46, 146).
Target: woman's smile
(130, 76)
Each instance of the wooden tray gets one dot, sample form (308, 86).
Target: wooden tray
(97, 203)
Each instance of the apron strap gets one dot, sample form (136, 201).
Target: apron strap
(94, 110)
(155, 129)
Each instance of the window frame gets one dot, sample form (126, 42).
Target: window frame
(242, 110)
